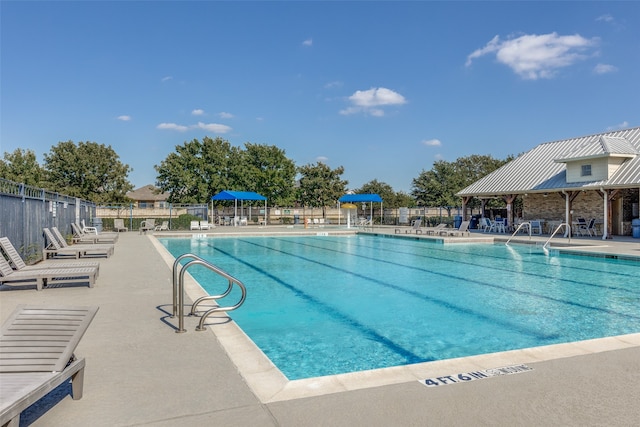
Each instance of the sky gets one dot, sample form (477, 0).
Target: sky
(383, 89)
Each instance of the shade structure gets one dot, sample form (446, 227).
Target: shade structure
(363, 198)
(360, 198)
(240, 195)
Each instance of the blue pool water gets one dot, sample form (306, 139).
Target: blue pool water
(323, 305)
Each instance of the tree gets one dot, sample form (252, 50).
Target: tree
(438, 186)
(320, 186)
(267, 170)
(390, 198)
(22, 166)
(198, 170)
(87, 170)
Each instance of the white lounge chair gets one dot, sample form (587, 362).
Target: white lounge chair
(87, 245)
(415, 226)
(460, 231)
(37, 346)
(81, 237)
(437, 229)
(204, 225)
(195, 225)
(162, 227)
(44, 277)
(54, 249)
(18, 264)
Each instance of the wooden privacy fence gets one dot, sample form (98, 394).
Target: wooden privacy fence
(25, 210)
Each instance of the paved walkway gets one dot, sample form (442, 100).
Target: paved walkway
(140, 373)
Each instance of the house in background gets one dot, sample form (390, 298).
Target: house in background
(148, 197)
(595, 176)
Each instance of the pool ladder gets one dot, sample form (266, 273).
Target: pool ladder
(567, 233)
(178, 291)
(522, 224)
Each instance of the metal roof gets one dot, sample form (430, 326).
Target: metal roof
(605, 146)
(539, 171)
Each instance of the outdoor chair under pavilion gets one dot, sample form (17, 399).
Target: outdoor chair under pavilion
(37, 345)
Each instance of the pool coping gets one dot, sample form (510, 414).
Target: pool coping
(269, 384)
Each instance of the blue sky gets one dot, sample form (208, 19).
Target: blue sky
(381, 88)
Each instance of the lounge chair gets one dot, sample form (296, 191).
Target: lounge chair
(437, 229)
(63, 242)
(37, 346)
(80, 236)
(54, 249)
(204, 225)
(195, 225)
(162, 227)
(118, 225)
(464, 228)
(415, 225)
(147, 225)
(44, 277)
(18, 264)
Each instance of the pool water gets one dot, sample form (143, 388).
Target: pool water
(324, 305)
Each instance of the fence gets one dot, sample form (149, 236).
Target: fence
(179, 215)
(26, 210)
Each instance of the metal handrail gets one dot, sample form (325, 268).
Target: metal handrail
(564, 224)
(178, 291)
(518, 229)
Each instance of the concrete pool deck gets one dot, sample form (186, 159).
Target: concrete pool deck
(140, 372)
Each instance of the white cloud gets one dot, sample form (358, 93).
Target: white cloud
(432, 142)
(622, 125)
(438, 157)
(213, 127)
(307, 42)
(606, 18)
(369, 101)
(224, 115)
(173, 126)
(537, 56)
(331, 85)
(167, 78)
(124, 118)
(604, 69)
(198, 112)
(322, 159)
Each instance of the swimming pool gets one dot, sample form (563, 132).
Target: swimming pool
(322, 305)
